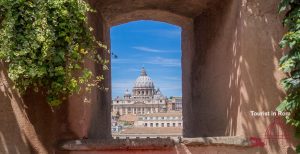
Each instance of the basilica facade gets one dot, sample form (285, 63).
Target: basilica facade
(143, 99)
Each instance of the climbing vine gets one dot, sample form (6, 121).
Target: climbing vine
(290, 63)
(46, 42)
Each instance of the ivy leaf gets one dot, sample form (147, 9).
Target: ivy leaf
(284, 5)
(282, 106)
(42, 42)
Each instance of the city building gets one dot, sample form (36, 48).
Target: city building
(174, 103)
(143, 99)
(164, 119)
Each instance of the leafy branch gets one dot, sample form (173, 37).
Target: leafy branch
(290, 64)
(46, 42)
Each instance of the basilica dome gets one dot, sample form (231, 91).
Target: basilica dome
(143, 81)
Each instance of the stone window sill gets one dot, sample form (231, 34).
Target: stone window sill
(150, 143)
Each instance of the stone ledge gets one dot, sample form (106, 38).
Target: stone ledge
(226, 141)
(118, 144)
(151, 143)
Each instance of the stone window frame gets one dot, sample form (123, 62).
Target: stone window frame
(100, 106)
(187, 39)
(101, 102)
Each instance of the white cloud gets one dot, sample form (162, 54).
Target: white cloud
(146, 49)
(173, 33)
(167, 62)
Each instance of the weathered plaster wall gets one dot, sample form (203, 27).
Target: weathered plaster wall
(12, 140)
(260, 31)
(235, 71)
(89, 112)
(257, 70)
(215, 92)
(28, 125)
(101, 107)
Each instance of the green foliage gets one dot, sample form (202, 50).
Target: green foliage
(45, 43)
(290, 64)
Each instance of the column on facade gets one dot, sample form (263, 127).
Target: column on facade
(126, 110)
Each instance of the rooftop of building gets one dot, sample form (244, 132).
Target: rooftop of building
(128, 117)
(152, 130)
(164, 114)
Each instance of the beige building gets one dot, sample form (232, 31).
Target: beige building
(175, 103)
(143, 99)
(166, 119)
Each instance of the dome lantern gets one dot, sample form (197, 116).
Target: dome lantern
(143, 72)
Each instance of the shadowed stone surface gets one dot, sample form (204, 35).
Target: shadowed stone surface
(118, 144)
(225, 141)
(188, 8)
(151, 143)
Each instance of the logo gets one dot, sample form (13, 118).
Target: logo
(276, 133)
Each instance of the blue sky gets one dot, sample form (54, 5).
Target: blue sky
(150, 44)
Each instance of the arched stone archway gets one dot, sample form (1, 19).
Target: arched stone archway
(211, 42)
(183, 13)
(102, 100)
(156, 15)
(187, 41)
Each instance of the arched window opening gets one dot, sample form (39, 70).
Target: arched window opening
(147, 61)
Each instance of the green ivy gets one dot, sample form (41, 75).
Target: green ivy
(45, 42)
(290, 63)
